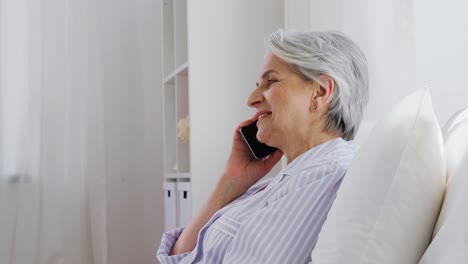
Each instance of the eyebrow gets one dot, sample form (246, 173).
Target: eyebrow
(265, 74)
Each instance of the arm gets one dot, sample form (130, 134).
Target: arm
(241, 172)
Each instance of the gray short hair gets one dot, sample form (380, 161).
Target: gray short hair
(332, 53)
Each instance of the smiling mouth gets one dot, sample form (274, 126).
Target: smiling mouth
(263, 115)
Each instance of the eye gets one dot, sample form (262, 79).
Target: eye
(271, 82)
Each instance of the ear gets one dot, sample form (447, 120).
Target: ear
(322, 94)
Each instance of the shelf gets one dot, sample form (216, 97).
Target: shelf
(175, 53)
(176, 108)
(177, 174)
(181, 70)
(182, 110)
(184, 177)
(170, 128)
(177, 177)
(180, 32)
(171, 177)
(170, 80)
(169, 36)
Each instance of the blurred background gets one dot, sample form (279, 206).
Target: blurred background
(116, 117)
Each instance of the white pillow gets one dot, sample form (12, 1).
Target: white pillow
(387, 205)
(450, 242)
(455, 133)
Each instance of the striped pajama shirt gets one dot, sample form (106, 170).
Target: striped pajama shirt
(277, 220)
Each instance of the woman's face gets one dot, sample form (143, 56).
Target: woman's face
(282, 99)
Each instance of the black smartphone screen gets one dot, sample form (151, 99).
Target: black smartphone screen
(249, 134)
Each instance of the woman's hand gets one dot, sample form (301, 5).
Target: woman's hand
(241, 172)
(242, 169)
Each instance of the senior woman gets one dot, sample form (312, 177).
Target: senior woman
(309, 99)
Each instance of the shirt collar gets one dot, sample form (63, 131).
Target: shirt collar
(298, 163)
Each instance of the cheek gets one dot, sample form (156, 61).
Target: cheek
(283, 102)
(277, 98)
(291, 111)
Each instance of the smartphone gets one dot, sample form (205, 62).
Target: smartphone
(258, 149)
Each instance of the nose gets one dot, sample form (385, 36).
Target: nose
(255, 98)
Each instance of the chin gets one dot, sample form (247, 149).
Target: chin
(264, 139)
(261, 137)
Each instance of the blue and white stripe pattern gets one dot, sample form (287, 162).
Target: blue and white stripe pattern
(279, 224)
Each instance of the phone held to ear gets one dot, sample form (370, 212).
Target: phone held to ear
(258, 149)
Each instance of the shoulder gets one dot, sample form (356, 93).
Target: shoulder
(330, 157)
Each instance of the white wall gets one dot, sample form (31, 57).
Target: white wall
(409, 45)
(132, 97)
(296, 14)
(225, 53)
(442, 54)
(383, 30)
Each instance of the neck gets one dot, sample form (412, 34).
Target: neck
(295, 148)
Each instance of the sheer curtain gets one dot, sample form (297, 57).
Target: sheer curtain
(52, 147)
